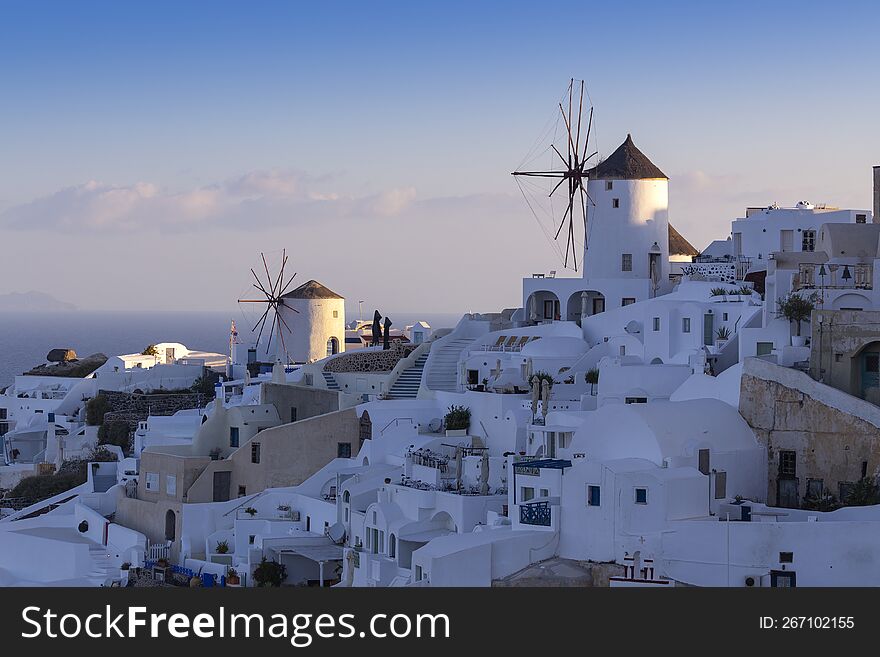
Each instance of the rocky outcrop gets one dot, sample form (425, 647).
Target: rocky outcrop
(61, 355)
(78, 369)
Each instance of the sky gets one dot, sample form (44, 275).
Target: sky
(149, 151)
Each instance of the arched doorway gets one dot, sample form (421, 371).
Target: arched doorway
(365, 430)
(865, 373)
(332, 346)
(170, 525)
(543, 307)
(584, 302)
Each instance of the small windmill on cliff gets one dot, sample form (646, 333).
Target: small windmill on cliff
(272, 288)
(570, 152)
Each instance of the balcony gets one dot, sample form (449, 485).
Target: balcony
(536, 513)
(834, 277)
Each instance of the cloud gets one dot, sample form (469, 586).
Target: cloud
(257, 199)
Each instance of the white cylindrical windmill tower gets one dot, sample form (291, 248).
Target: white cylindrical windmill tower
(315, 316)
(628, 225)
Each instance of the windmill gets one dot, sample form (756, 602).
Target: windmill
(569, 165)
(273, 289)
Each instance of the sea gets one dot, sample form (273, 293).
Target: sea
(27, 337)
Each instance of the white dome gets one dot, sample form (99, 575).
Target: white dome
(555, 347)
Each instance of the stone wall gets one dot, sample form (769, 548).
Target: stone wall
(838, 339)
(132, 408)
(370, 361)
(835, 436)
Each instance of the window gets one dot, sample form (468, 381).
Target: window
(152, 480)
(641, 495)
(685, 324)
(861, 218)
(242, 491)
(233, 436)
(544, 493)
(786, 557)
(656, 324)
(563, 439)
(815, 488)
(626, 262)
(627, 301)
(636, 400)
(251, 539)
(787, 463)
(808, 240)
(293, 413)
(343, 450)
(764, 349)
(720, 485)
(527, 493)
(170, 485)
(703, 461)
(723, 317)
(255, 452)
(615, 203)
(335, 314)
(609, 185)
(594, 496)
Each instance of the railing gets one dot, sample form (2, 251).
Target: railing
(536, 513)
(839, 277)
(158, 551)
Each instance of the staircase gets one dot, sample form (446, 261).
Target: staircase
(331, 381)
(443, 365)
(407, 384)
(102, 570)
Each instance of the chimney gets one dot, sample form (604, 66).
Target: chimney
(876, 217)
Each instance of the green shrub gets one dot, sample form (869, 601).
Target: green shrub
(865, 492)
(457, 418)
(592, 377)
(96, 407)
(40, 487)
(270, 573)
(150, 350)
(116, 433)
(796, 308)
(719, 291)
(825, 502)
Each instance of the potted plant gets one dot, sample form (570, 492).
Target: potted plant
(222, 547)
(722, 335)
(592, 377)
(718, 292)
(270, 573)
(457, 420)
(796, 308)
(251, 511)
(232, 578)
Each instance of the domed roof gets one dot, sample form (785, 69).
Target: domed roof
(312, 290)
(626, 163)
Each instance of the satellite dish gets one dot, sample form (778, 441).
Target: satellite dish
(435, 424)
(336, 532)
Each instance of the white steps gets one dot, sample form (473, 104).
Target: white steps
(407, 384)
(442, 366)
